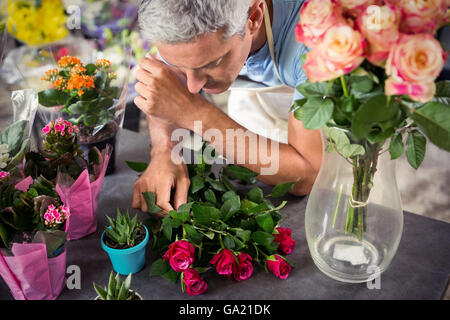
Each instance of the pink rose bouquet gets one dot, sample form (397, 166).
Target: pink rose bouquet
(221, 232)
(372, 72)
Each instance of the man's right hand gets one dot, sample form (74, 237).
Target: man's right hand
(160, 177)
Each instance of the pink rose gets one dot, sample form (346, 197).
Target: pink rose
(180, 255)
(413, 65)
(195, 285)
(419, 16)
(316, 17)
(225, 262)
(340, 52)
(380, 26)
(287, 244)
(354, 7)
(278, 266)
(244, 269)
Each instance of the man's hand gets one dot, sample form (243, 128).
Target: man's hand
(160, 177)
(162, 93)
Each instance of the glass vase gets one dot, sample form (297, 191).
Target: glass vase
(354, 217)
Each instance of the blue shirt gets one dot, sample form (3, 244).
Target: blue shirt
(259, 66)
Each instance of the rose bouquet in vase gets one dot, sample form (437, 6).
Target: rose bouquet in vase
(88, 96)
(78, 179)
(32, 238)
(371, 69)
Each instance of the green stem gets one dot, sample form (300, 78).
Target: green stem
(344, 86)
(337, 206)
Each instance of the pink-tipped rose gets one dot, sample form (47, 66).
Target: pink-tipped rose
(340, 52)
(244, 269)
(225, 262)
(380, 26)
(316, 17)
(287, 244)
(195, 285)
(353, 8)
(278, 266)
(413, 65)
(180, 255)
(419, 16)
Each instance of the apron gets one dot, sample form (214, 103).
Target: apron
(261, 109)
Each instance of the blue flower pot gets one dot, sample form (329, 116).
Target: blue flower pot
(126, 261)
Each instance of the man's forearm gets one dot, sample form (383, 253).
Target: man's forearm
(290, 163)
(160, 132)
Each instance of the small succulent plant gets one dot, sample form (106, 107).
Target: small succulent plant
(116, 289)
(124, 231)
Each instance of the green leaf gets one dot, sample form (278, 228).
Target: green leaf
(360, 84)
(171, 275)
(434, 120)
(80, 107)
(265, 239)
(159, 267)
(265, 221)
(137, 166)
(167, 228)
(230, 207)
(396, 146)
(197, 184)
(13, 136)
(316, 112)
(415, 148)
(376, 109)
(90, 69)
(100, 80)
(205, 215)
(256, 195)
(210, 196)
(281, 189)
(319, 89)
(100, 291)
(337, 136)
(237, 172)
(228, 242)
(53, 97)
(150, 199)
(298, 104)
(352, 150)
(243, 234)
(192, 234)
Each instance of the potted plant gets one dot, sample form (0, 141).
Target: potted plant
(88, 97)
(78, 179)
(372, 92)
(125, 241)
(32, 236)
(117, 289)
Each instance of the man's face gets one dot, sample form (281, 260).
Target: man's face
(210, 62)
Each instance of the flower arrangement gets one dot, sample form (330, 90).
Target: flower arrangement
(372, 69)
(85, 92)
(219, 228)
(37, 22)
(61, 153)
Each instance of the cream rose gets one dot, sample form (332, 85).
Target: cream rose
(355, 7)
(380, 26)
(413, 65)
(316, 17)
(340, 52)
(421, 16)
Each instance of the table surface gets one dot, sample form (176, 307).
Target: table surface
(420, 269)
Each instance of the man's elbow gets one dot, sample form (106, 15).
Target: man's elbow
(304, 186)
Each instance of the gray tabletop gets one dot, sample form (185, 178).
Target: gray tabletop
(420, 269)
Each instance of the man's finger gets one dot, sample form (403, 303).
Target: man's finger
(163, 196)
(153, 66)
(136, 203)
(181, 191)
(144, 76)
(142, 90)
(142, 104)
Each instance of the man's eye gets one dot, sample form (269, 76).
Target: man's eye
(215, 64)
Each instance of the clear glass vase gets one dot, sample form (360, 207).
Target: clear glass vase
(354, 217)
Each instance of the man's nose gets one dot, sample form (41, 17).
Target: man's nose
(195, 81)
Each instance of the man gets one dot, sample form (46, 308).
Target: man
(204, 45)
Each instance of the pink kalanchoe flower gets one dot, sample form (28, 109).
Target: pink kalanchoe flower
(4, 175)
(55, 216)
(46, 129)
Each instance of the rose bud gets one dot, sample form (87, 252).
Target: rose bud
(195, 285)
(225, 262)
(180, 255)
(287, 244)
(244, 269)
(278, 266)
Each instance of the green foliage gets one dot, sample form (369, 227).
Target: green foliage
(217, 216)
(15, 138)
(124, 231)
(117, 289)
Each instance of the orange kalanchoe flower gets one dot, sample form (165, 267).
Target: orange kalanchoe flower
(59, 83)
(50, 74)
(102, 63)
(77, 69)
(68, 61)
(77, 82)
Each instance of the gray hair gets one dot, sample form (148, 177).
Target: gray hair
(181, 21)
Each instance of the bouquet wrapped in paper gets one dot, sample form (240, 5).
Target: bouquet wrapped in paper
(32, 251)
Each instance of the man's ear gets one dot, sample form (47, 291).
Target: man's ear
(255, 16)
